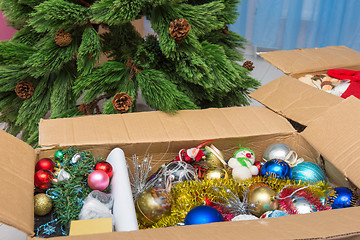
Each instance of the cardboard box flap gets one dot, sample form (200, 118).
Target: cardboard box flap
(157, 126)
(312, 60)
(295, 100)
(336, 135)
(332, 224)
(17, 183)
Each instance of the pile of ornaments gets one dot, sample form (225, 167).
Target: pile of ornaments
(153, 202)
(49, 172)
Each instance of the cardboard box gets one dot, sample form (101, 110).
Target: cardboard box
(293, 99)
(334, 135)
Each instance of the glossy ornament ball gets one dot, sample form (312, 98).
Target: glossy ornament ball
(262, 199)
(276, 168)
(302, 206)
(214, 156)
(203, 215)
(152, 205)
(179, 171)
(276, 151)
(215, 173)
(98, 180)
(341, 197)
(308, 171)
(274, 214)
(59, 156)
(105, 167)
(42, 204)
(45, 164)
(43, 179)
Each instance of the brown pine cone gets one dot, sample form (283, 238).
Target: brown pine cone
(226, 30)
(63, 38)
(179, 29)
(122, 102)
(24, 89)
(249, 65)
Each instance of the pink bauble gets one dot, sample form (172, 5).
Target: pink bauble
(98, 180)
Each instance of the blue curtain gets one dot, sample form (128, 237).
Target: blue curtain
(291, 24)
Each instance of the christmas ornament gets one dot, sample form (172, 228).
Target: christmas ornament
(24, 89)
(249, 65)
(105, 167)
(179, 172)
(63, 38)
(214, 156)
(200, 168)
(203, 215)
(59, 156)
(42, 204)
(152, 205)
(122, 102)
(261, 199)
(45, 164)
(353, 77)
(295, 200)
(43, 179)
(191, 155)
(215, 173)
(308, 171)
(283, 152)
(179, 29)
(98, 180)
(341, 197)
(242, 164)
(274, 214)
(259, 165)
(75, 158)
(61, 175)
(276, 168)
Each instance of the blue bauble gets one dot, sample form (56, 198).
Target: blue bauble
(341, 197)
(308, 171)
(202, 215)
(276, 168)
(274, 214)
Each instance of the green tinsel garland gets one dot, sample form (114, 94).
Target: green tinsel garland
(68, 195)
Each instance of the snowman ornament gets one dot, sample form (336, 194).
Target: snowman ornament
(242, 164)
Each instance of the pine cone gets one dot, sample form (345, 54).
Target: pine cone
(179, 29)
(122, 102)
(24, 89)
(226, 30)
(63, 38)
(249, 65)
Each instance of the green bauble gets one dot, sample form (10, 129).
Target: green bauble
(58, 156)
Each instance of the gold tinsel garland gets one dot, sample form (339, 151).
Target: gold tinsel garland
(189, 194)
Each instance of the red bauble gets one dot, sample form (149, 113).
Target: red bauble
(45, 164)
(104, 166)
(43, 179)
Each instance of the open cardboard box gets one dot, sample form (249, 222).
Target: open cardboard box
(296, 100)
(334, 135)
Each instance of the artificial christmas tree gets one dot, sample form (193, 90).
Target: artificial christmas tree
(189, 63)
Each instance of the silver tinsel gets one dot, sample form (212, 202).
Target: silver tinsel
(232, 203)
(140, 174)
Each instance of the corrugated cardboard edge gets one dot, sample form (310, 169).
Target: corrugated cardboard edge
(336, 135)
(156, 126)
(321, 225)
(17, 183)
(292, 99)
(313, 60)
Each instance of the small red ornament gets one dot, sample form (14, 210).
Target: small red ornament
(45, 164)
(43, 179)
(104, 166)
(258, 164)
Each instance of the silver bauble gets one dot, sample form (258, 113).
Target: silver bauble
(302, 205)
(276, 151)
(179, 171)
